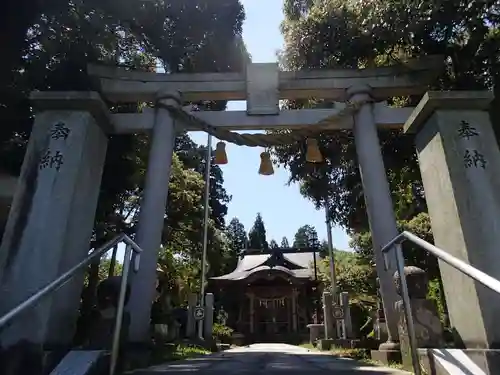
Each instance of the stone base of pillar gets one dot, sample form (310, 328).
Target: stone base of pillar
(22, 358)
(473, 360)
(30, 358)
(390, 345)
(349, 343)
(326, 344)
(315, 332)
(386, 357)
(238, 339)
(137, 355)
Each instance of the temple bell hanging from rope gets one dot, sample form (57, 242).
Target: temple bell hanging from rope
(313, 155)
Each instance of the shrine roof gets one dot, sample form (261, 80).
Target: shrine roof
(295, 264)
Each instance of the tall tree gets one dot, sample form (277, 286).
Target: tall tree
(284, 243)
(468, 35)
(324, 249)
(273, 244)
(194, 157)
(306, 236)
(354, 34)
(61, 38)
(236, 235)
(257, 235)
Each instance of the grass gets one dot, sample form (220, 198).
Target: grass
(362, 355)
(307, 346)
(176, 352)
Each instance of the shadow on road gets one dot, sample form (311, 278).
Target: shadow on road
(245, 360)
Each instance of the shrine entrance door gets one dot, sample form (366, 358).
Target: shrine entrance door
(273, 318)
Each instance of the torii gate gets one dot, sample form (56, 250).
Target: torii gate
(55, 202)
(263, 85)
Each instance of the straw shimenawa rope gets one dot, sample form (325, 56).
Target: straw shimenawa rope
(258, 140)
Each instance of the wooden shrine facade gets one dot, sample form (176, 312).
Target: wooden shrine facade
(271, 296)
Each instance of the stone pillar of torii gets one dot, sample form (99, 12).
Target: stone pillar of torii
(50, 223)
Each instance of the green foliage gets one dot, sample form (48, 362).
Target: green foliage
(178, 275)
(103, 270)
(52, 41)
(180, 261)
(48, 45)
(221, 333)
(357, 34)
(358, 354)
(306, 236)
(236, 235)
(414, 256)
(175, 352)
(194, 158)
(355, 276)
(284, 243)
(324, 249)
(436, 294)
(257, 235)
(104, 266)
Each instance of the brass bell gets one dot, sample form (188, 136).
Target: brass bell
(220, 156)
(313, 154)
(266, 166)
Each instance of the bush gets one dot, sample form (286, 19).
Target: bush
(436, 294)
(174, 352)
(359, 354)
(222, 333)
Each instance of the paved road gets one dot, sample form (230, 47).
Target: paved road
(268, 359)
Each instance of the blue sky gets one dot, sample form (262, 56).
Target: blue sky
(282, 207)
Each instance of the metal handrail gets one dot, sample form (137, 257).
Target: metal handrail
(466, 269)
(64, 278)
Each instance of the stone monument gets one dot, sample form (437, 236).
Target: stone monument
(344, 302)
(460, 163)
(208, 320)
(191, 322)
(329, 322)
(50, 223)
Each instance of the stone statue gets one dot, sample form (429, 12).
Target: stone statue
(103, 324)
(428, 327)
(417, 281)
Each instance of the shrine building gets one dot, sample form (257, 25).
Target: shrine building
(271, 296)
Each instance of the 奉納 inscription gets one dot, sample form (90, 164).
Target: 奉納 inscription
(473, 158)
(51, 160)
(59, 131)
(466, 130)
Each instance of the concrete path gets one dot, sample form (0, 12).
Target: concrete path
(268, 359)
